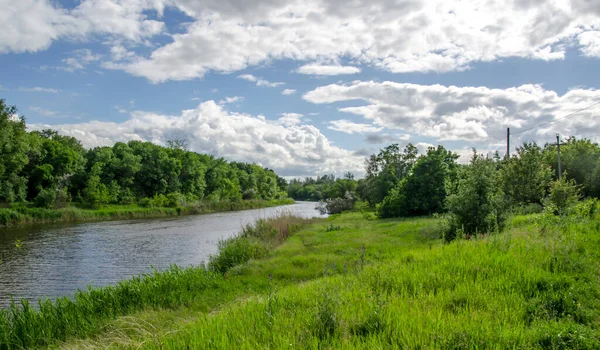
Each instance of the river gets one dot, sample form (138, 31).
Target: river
(56, 260)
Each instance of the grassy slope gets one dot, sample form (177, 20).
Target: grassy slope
(534, 286)
(20, 216)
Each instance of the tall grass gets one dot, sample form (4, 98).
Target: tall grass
(532, 287)
(25, 215)
(23, 326)
(255, 241)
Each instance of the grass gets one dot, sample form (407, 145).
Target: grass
(352, 282)
(24, 215)
(200, 288)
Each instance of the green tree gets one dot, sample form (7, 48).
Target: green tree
(13, 154)
(423, 190)
(526, 176)
(580, 160)
(478, 205)
(385, 170)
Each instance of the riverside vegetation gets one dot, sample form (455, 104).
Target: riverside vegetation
(349, 281)
(47, 177)
(498, 253)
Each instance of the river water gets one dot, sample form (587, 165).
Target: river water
(56, 260)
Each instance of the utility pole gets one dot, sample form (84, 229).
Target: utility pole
(507, 143)
(558, 149)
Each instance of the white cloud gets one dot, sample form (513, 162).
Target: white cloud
(230, 35)
(79, 60)
(232, 99)
(590, 43)
(478, 115)
(290, 119)
(288, 92)
(290, 149)
(38, 89)
(406, 36)
(259, 81)
(32, 25)
(349, 127)
(316, 69)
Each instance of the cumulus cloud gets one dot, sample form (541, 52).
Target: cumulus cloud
(259, 81)
(288, 92)
(290, 119)
(291, 149)
(590, 43)
(406, 36)
(230, 35)
(348, 127)
(32, 25)
(316, 69)
(478, 115)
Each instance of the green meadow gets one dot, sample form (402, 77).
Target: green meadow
(348, 282)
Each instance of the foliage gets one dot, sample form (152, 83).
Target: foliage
(122, 174)
(520, 289)
(321, 188)
(254, 241)
(385, 170)
(564, 195)
(336, 205)
(423, 190)
(580, 159)
(478, 205)
(46, 198)
(526, 176)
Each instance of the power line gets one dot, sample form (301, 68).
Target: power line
(546, 123)
(552, 121)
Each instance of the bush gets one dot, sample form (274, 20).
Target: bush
(336, 205)
(249, 194)
(564, 194)
(478, 204)
(46, 198)
(63, 198)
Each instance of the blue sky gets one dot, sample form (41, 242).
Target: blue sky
(356, 75)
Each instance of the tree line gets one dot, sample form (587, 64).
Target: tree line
(474, 197)
(52, 170)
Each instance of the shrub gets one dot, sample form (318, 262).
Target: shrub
(63, 198)
(336, 205)
(46, 198)
(564, 194)
(478, 205)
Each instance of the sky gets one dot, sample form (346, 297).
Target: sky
(307, 87)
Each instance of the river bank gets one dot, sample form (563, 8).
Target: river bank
(10, 217)
(352, 282)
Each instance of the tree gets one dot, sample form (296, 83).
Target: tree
(385, 170)
(423, 191)
(13, 154)
(580, 161)
(478, 204)
(526, 176)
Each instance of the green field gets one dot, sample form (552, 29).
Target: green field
(20, 215)
(353, 282)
